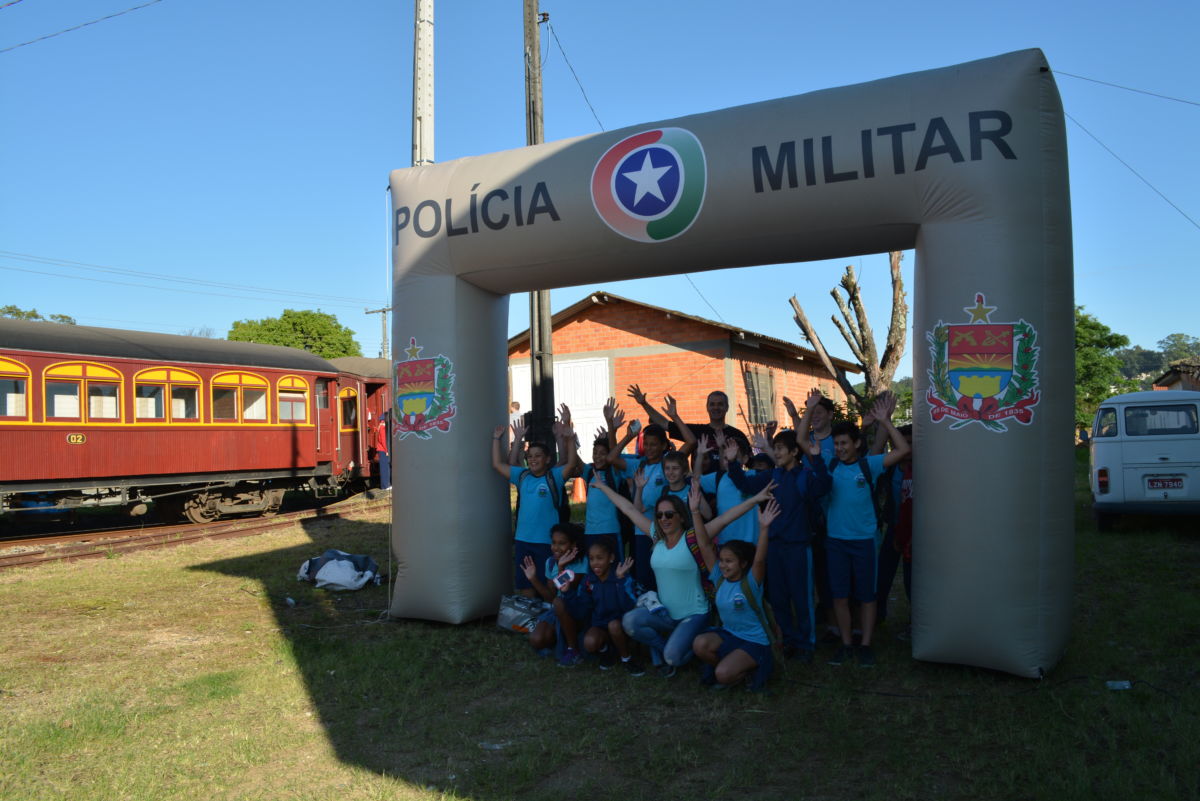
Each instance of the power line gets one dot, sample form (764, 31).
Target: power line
(701, 294)
(572, 69)
(144, 286)
(1132, 170)
(9, 3)
(174, 278)
(1127, 88)
(77, 27)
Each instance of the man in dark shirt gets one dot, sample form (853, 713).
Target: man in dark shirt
(717, 406)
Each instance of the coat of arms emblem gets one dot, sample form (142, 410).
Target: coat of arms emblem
(424, 394)
(983, 372)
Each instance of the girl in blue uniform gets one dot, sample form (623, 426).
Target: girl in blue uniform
(741, 645)
(608, 591)
(566, 554)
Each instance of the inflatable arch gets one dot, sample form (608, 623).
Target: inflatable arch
(966, 164)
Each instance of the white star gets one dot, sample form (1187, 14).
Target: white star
(647, 179)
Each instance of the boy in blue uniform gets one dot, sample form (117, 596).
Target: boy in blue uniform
(540, 491)
(850, 544)
(789, 560)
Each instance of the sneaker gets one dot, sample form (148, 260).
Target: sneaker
(866, 658)
(633, 668)
(569, 658)
(608, 658)
(842, 654)
(666, 671)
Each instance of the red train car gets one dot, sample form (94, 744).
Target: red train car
(200, 427)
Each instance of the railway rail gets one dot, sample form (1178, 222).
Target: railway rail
(37, 551)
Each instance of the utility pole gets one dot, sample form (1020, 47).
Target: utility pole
(383, 331)
(541, 345)
(422, 114)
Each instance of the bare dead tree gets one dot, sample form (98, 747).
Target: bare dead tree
(856, 330)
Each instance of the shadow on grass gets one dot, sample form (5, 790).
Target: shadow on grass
(469, 711)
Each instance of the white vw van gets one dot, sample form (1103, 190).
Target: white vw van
(1145, 455)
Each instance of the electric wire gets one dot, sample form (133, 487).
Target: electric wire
(582, 91)
(145, 286)
(175, 278)
(77, 27)
(1128, 88)
(1132, 170)
(9, 3)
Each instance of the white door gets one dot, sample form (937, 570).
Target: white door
(582, 384)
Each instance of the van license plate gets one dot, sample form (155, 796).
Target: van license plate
(1164, 483)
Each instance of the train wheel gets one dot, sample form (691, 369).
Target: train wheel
(198, 511)
(273, 500)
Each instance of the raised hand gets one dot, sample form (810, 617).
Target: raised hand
(790, 406)
(518, 432)
(529, 568)
(766, 492)
(672, 407)
(731, 450)
(695, 495)
(616, 421)
(564, 415)
(498, 431)
(761, 442)
(636, 393)
(568, 557)
(814, 397)
(610, 408)
(768, 514)
(639, 478)
(624, 568)
(771, 428)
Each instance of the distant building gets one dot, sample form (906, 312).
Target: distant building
(1182, 374)
(605, 342)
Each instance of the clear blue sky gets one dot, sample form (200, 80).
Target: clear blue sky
(249, 144)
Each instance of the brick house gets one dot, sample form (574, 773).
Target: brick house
(605, 342)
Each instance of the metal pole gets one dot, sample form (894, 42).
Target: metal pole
(541, 344)
(422, 134)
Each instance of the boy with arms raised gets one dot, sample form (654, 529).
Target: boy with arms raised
(850, 544)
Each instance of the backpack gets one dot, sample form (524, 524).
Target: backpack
(706, 584)
(866, 471)
(559, 499)
(764, 613)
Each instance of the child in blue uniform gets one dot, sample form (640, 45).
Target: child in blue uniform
(850, 544)
(566, 554)
(608, 592)
(742, 644)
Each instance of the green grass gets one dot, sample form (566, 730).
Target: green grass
(184, 673)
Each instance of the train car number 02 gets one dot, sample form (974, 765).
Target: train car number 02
(76, 439)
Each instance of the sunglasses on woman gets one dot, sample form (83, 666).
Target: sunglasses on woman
(666, 514)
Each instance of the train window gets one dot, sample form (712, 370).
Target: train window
(293, 407)
(254, 404)
(103, 401)
(349, 413)
(183, 403)
(12, 397)
(322, 393)
(224, 403)
(148, 402)
(62, 400)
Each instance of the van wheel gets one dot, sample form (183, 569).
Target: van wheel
(1105, 521)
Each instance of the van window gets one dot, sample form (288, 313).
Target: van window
(1106, 423)
(1162, 420)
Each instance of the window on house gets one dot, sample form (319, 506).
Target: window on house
(760, 394)
(12, 397)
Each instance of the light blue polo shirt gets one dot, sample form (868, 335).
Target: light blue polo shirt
(538, 513)
(744, 528)
(851, 509)
(737, 615)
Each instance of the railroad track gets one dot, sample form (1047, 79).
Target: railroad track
(101, 544)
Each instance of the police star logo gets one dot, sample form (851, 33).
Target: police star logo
(983, 372)
(424, 393)
(649, 187)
